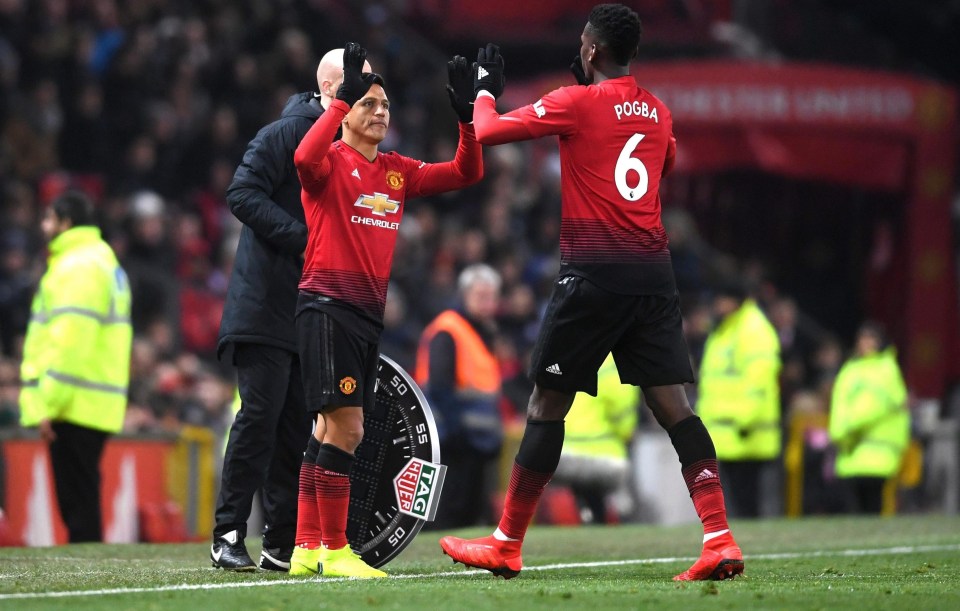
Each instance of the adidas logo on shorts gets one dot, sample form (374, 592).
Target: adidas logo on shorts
(554, 369)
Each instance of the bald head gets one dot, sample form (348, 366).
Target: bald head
(330, 75)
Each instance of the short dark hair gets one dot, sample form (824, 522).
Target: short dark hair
(877, 330)
(731, 286)
(377, 78)
(75, 207)
(617, 27)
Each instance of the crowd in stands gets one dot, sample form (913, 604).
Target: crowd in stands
(148, 106)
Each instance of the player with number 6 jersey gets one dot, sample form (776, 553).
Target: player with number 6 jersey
(616, 141)
(615, 291)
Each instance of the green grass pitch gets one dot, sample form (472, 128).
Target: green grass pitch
(910, 562)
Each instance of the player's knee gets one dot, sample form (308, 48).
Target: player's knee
(352, 437)
(549, 404)
(345, 429)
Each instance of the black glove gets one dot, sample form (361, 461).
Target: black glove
(577, 68)
(488, 71)
(355, 85)
(460, 88)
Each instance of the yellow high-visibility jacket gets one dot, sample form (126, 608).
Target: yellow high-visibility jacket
(601, 426)
(869, 421)
(739, 390)
(76, 356)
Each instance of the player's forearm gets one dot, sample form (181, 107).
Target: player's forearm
(465, 169)
(312, 151)
(467, 166)
(494, 128)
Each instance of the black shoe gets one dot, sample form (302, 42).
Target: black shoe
(230, 554)
(275, 559)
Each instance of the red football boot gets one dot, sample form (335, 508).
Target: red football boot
(502, 558)
(721, 559)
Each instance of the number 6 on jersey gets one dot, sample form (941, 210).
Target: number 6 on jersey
(625, 163)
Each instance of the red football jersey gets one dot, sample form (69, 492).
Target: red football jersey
(353, 208)
(616, 141)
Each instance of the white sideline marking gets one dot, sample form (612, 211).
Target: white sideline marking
(884, 551)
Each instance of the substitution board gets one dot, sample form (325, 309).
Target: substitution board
(396, 479)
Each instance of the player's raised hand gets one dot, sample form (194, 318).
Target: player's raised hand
(577, 69)
(460, 88)
(488, 71)
(354, 85)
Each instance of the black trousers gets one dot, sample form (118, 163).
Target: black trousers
(865, 494)
(75, 457)
(741, 486)
(265, 446)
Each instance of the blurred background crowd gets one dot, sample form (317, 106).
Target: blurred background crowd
(148, 106)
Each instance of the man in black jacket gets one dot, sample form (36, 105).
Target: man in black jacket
(268, 437)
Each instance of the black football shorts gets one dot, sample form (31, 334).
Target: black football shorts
(584, 323)
(338, 363)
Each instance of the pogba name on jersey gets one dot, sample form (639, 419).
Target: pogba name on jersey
(634, 108)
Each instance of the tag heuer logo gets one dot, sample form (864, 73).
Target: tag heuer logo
(417, 488)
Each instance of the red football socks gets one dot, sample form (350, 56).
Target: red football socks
(308, 517)
(703, 482)
(523, 494)
(333, 501)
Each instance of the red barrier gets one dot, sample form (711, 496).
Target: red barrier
(134, 483)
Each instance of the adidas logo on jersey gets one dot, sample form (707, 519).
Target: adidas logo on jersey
(705, 474)
(355, 173)
(481, 72)
(554, 369)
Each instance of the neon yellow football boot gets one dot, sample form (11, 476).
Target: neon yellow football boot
(305, 562)
(344, 562)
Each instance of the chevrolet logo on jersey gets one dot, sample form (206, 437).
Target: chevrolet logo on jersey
(379, 203)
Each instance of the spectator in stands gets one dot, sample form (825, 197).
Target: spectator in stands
(76, 359)
(869, 421)
(461, 379)
(739, 396)
(16, 286)
(9, 392)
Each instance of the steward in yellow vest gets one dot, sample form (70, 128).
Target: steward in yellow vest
(76, 358)
(739, 396)
(869, 421)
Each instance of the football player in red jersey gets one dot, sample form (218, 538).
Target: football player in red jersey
(353, 199)
(615, 291)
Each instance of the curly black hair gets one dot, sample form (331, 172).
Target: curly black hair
(618, 27)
